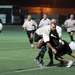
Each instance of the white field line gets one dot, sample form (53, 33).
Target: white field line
(26, 70)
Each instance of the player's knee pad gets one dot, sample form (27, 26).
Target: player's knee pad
(43, 49)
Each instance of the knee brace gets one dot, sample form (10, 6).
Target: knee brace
(43, 49)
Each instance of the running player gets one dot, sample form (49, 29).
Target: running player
(30, 26)
(70, 25)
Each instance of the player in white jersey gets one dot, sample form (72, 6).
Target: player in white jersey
(70, 25)
(30, 26)
(44, 21)
(42, 36)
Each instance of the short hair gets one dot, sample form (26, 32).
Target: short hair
(54, 23)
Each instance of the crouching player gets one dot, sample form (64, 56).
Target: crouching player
(62, 48)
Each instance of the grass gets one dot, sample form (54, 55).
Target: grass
(17, 55)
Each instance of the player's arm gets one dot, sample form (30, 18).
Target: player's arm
(49, 21)
(46, 39)
(24, 26)
(35, 25)
(66, 24)
(52, 48)
(40, 24)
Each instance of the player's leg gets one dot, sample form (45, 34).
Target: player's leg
(72, 54)
(29, 36)
(50, 57)
(42, 46)
(31, 39)
(71, 35)
(38, 39)
(69, 51)
(62, 51)
(40, 57)
(41, 54)
(69, 62)
(40, 43)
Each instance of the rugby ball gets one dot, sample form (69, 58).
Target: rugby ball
(1, 27)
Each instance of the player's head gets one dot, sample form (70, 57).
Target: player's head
(44, 16)
(53, 26)
(29, 17)
(71, 16)
(53, 21)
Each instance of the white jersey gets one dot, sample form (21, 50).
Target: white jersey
(59, 31)
(44, 22)
(44, 32)
(70, 25)
(29, 25)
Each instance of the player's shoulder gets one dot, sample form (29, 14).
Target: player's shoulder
(67, 20)
(26, 21)
(48, 19)
(46, 27)
(32, 20)
(58, 27)
(41, 20)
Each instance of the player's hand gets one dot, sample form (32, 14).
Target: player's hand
(54, 50)
(35, 47)
(24, 29)
(61, 42)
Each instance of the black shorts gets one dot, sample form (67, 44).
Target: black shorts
(29, 32)
(37, 37)
(63, 49)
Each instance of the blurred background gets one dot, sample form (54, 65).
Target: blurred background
(13, 12)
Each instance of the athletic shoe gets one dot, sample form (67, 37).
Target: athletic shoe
(41, 65)
(50, 64)
(37, 61)
(70, 63)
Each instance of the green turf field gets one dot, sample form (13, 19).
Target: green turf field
(17, 57)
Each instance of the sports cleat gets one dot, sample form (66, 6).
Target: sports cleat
(50, 64)
(41, 65)
(37, 61)
(70, 63)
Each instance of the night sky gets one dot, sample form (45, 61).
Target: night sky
(50, 3)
